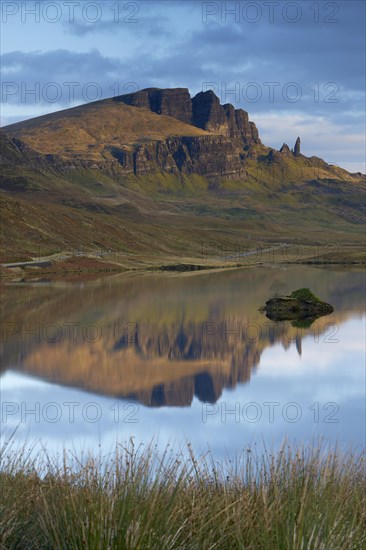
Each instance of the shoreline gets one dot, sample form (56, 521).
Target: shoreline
(89, 267)
(206, 259)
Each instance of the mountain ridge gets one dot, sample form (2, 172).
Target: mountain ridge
(158, 130)
(111, 171)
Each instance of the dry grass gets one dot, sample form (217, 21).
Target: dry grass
(299, 498)
(159, 218)
(89, 129)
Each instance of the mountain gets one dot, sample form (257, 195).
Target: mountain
(157, 130)
(148, 131)
(156, 175)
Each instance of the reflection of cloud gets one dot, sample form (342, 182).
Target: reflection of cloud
(11, 381)
(324, 373)
(316, 357)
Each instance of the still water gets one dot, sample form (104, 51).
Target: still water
(176, 358)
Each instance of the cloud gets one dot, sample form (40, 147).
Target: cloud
(319, 136)
(62, 77)
(149, 26)
(310, 68)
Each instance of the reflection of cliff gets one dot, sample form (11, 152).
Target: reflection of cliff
(164, 366)
(173, 338)
(167, 366)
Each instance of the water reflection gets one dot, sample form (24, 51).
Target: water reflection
(186, 357)
(163, 340)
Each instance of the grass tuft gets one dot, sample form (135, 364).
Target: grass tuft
(304, 294)
(295, 499)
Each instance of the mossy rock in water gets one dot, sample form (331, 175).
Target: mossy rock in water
(301, 305)
(304, 294)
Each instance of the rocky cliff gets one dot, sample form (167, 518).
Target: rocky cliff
(203, 111)
(161, 131)
(174, 102)
(219, 154)
(209, 156)
(210, 115)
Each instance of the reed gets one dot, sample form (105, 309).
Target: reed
(137, 497)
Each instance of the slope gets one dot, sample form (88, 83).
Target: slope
(157, 189)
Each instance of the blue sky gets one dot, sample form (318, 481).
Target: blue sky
(298, 68)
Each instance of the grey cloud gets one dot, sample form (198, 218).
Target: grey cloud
(148, 26)
(66, 71)
(312, 55)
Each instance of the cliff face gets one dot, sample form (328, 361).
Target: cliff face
(209, 156)
(176, 102)
(210, 115)
(203, 111)
(215, 155)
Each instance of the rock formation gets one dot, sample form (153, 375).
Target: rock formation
(297, 148)
(203, 111)
(285, 149)
(175, 102)
(209, 156)
(217, 155)
(132, 134)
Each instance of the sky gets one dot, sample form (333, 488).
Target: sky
(298, 67)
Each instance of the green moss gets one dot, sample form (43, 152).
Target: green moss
(304, 294)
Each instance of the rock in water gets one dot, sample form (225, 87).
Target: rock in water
(302, 304)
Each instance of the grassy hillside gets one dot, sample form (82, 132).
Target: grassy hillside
(87, 131)
(81, 198)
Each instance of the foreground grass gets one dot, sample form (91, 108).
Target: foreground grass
(297, 499)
